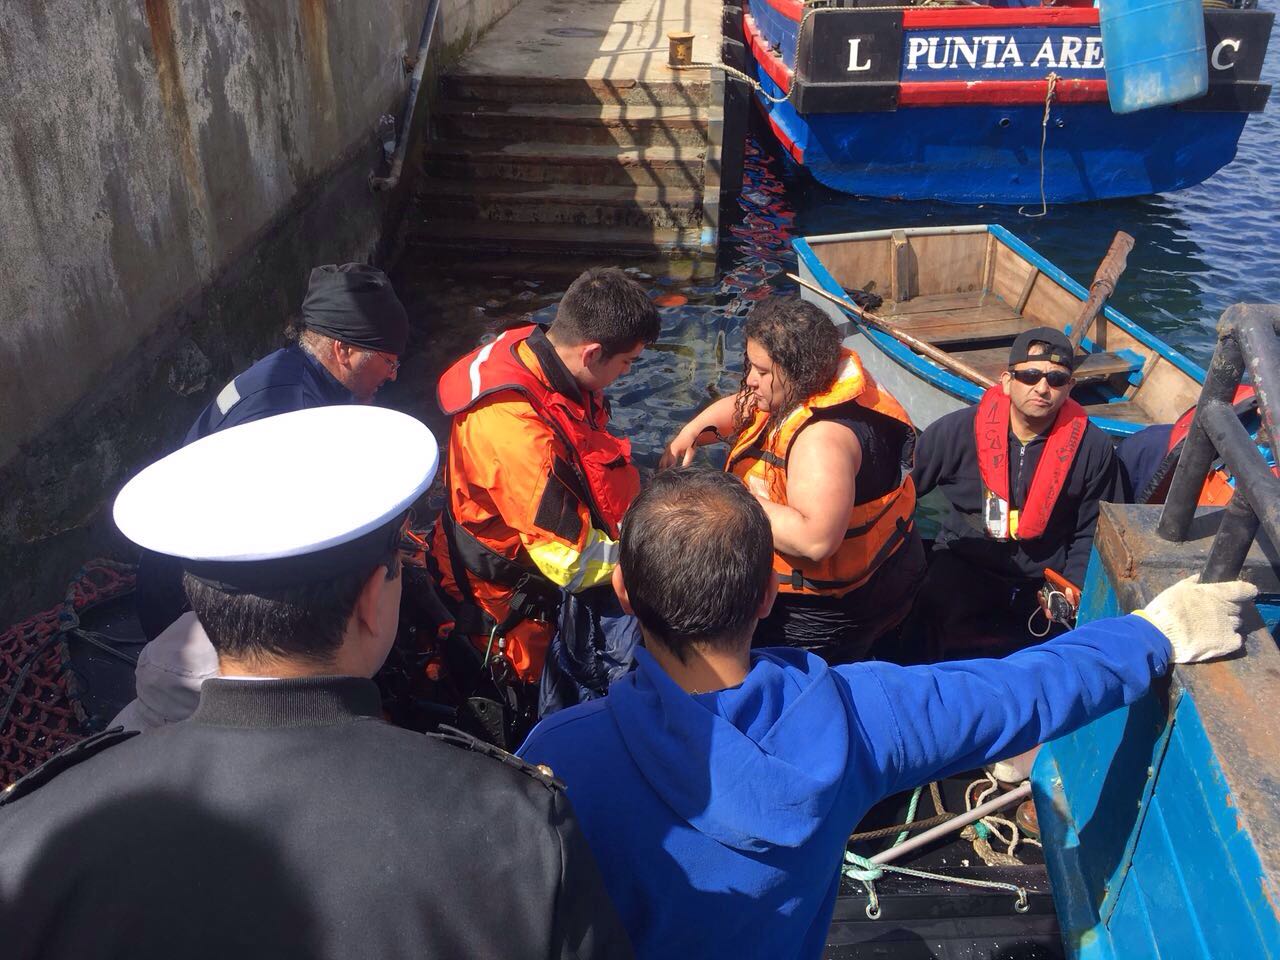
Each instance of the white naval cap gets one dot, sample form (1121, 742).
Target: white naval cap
(294, 498)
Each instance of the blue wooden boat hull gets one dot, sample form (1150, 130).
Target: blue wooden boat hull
(973, 135)
(990, 154)
(1159, 821)
(927, 390)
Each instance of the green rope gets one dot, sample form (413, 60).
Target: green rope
(911, 814)
(867, 872)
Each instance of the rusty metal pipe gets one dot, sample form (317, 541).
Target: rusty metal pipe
(1225, 371)
(392, 179)
(1260, 338)
(1256, 500)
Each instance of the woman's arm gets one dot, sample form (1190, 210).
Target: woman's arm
(697, 432)
(821, 479)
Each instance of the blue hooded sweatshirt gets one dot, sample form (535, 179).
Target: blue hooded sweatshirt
(719, 820)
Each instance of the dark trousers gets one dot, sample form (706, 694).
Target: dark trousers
(845, 629)
(964, 611)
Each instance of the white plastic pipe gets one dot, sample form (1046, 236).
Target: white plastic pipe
(954, 824)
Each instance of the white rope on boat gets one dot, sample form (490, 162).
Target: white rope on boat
(1044, 136)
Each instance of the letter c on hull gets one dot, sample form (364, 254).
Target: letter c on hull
(1217, 59)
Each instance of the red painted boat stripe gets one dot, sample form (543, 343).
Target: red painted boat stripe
(773, 64)
(936, 94)
(792, 148)
(930, 18)
(791, 9)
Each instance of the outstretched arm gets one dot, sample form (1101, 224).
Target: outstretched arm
(698, 432)
(928, 722)
(920, 723)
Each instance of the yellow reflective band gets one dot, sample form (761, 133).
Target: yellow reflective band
(573, 569)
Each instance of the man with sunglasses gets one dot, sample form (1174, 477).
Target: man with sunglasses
(1024, 471)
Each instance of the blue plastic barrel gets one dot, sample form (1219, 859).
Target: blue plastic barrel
(1154, 52)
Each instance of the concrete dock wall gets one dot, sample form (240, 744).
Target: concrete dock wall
(169, 172)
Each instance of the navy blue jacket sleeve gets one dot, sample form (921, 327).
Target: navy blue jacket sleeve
(927, 467)
(1105, 482)
(921, 723)
(268, 402)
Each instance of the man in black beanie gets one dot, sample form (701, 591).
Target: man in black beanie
(354, 331)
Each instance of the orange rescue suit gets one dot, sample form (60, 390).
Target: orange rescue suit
(536, 485)
(877, 529)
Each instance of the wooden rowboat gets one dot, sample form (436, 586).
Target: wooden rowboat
(970, 291)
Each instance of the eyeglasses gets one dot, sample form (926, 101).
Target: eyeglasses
(1055, 378)
(393, 363)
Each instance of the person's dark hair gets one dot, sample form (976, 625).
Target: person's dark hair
(696, 556)
(804, 346)
(607, 307)
(304, 622)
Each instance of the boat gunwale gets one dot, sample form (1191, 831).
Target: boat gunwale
(947, 382)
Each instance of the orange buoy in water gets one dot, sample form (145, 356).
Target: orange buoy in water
(671, 300)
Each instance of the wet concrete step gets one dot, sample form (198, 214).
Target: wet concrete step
(425, 231)
(596, 123)
(687, 91)
(538, 162)
(583, 205)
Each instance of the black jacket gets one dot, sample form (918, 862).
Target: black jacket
(285, 819)
(947, 458)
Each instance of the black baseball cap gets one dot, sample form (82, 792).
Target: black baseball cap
(1059, 350)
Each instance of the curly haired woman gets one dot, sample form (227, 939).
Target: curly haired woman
(827, 452)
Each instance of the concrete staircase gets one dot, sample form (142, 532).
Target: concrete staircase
(551, 166)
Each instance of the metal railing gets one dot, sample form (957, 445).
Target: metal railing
(1248, 342)
(397, 156)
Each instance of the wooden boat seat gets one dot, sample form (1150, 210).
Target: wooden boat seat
(956, 318)
(1094, 367)
(1125, 410)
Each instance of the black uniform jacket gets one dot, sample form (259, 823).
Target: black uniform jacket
(285, 819)
(947, 458)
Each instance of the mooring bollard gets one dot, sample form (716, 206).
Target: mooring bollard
(680, 53)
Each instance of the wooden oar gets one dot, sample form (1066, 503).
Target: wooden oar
(940, 357)
(1103, 286)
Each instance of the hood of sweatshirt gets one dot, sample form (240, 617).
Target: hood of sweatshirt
(755, 766)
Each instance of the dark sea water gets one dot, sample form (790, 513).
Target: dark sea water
(1198, 251)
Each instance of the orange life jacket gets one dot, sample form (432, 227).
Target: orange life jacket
(991, 432)
(597, 453)
(598, 474)
(876, 529)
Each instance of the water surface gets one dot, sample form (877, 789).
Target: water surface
(1198, 251)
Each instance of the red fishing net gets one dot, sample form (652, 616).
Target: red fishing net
(40, 713)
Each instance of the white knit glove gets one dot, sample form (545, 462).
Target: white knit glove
(1200, 620)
